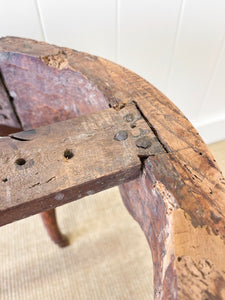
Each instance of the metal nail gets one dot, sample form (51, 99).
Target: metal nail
(129, 117)
(143, 142)
(121, 135)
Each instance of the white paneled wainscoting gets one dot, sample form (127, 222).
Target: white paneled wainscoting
(177, 45)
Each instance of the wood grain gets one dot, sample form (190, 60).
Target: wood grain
(179, 197)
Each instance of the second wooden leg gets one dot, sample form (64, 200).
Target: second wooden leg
(50, 222)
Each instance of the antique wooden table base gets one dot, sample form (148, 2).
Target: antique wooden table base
(90, 124)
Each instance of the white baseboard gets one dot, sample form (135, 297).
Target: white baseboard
(212, 131)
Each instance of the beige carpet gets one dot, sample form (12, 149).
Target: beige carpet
(108, 257)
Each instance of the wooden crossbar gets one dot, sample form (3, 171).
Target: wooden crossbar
(49, 166)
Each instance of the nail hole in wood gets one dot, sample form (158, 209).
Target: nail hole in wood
(68, 154)
(20, 161)
(179, 258)
(200, 153)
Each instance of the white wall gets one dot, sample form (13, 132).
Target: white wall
(178, 45)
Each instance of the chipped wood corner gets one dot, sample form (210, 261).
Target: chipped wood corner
(58, 60)
(178, 197)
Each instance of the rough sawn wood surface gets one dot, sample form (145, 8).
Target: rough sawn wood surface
(179, 200)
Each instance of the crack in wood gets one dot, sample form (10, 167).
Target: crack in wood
(151, 127)
(18, 139)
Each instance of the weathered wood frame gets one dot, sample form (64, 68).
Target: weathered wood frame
(179, 198)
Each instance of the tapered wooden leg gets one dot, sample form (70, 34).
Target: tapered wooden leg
(50, 222)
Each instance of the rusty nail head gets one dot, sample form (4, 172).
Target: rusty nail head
(129, 117)
(121, 135)
(143, 142)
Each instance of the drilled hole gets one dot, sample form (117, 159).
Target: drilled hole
(179, 258)
(20, 161)
(68, 154)
(200, 153)
(4, 180)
